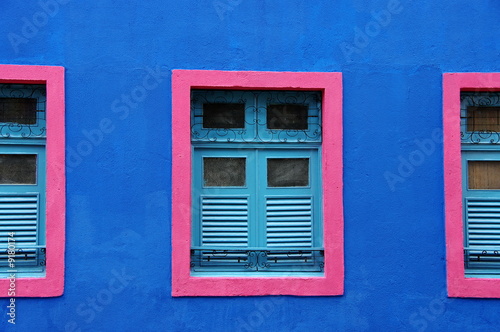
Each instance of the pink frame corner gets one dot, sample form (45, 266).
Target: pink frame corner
(458, 284)
(53, 283)
(332, 283)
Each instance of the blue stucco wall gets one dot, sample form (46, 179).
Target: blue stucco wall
(118, 176)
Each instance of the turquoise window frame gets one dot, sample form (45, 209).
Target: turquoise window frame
(481, 253)
(17, 138)
(256, 143)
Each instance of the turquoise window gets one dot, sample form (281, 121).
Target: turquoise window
(257, 205)
(22, 179)
(480, 135)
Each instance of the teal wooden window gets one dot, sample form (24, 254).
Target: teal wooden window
(480, 135)
(22, 178)
(257, 205)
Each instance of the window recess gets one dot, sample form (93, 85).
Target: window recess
(22, 178)
(480, 117)
(480, 138)
(257, 205)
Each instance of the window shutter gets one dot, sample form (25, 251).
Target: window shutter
(483, 235)
(224, 221)
(19, 214)
(289, 222)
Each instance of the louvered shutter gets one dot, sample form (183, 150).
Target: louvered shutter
(256, 203)
(221, 210)
(224, 221)
(483, 235)
(289, 222)
(22, 213)
(19, 215)
(223, 234)
(290, 234)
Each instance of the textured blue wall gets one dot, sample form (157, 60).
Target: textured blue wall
(119, 141)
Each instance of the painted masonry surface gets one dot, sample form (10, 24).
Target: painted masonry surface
(117, 77)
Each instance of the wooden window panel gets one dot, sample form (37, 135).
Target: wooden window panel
(483, 118)
(484, 175)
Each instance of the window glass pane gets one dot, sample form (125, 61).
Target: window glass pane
(484, 174)
(287, 116)
(222, 115)
(224, 172)
(483, 118)
(17, 169)
(288, 172)
(19, 110)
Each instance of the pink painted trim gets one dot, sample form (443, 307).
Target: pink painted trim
(458, 284)
(333, 281)
(53, 283)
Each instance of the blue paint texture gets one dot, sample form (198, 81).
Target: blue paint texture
(118, 189)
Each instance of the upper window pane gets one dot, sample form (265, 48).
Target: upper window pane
(483, 118)
(223, 115)
(484, 174)
(17, 169)
(480, 117)
(224, 172)
(256, 116)
(287, 116)
(22, 110)
(19, 110)
(288, 172)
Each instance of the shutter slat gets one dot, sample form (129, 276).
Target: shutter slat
(222, 223)
(482, 235)
(224, 217)
(290, 218)
(305, 223)
(293, 201)
(288, 229)
(221, 213)
(483, 223)
(219, 201)
(18, 211)
(226, 207)
(9, 199)
(13, 217)
(227, 234)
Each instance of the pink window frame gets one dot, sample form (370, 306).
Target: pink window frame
(53, 282)
(458, 284)
(332, 283)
